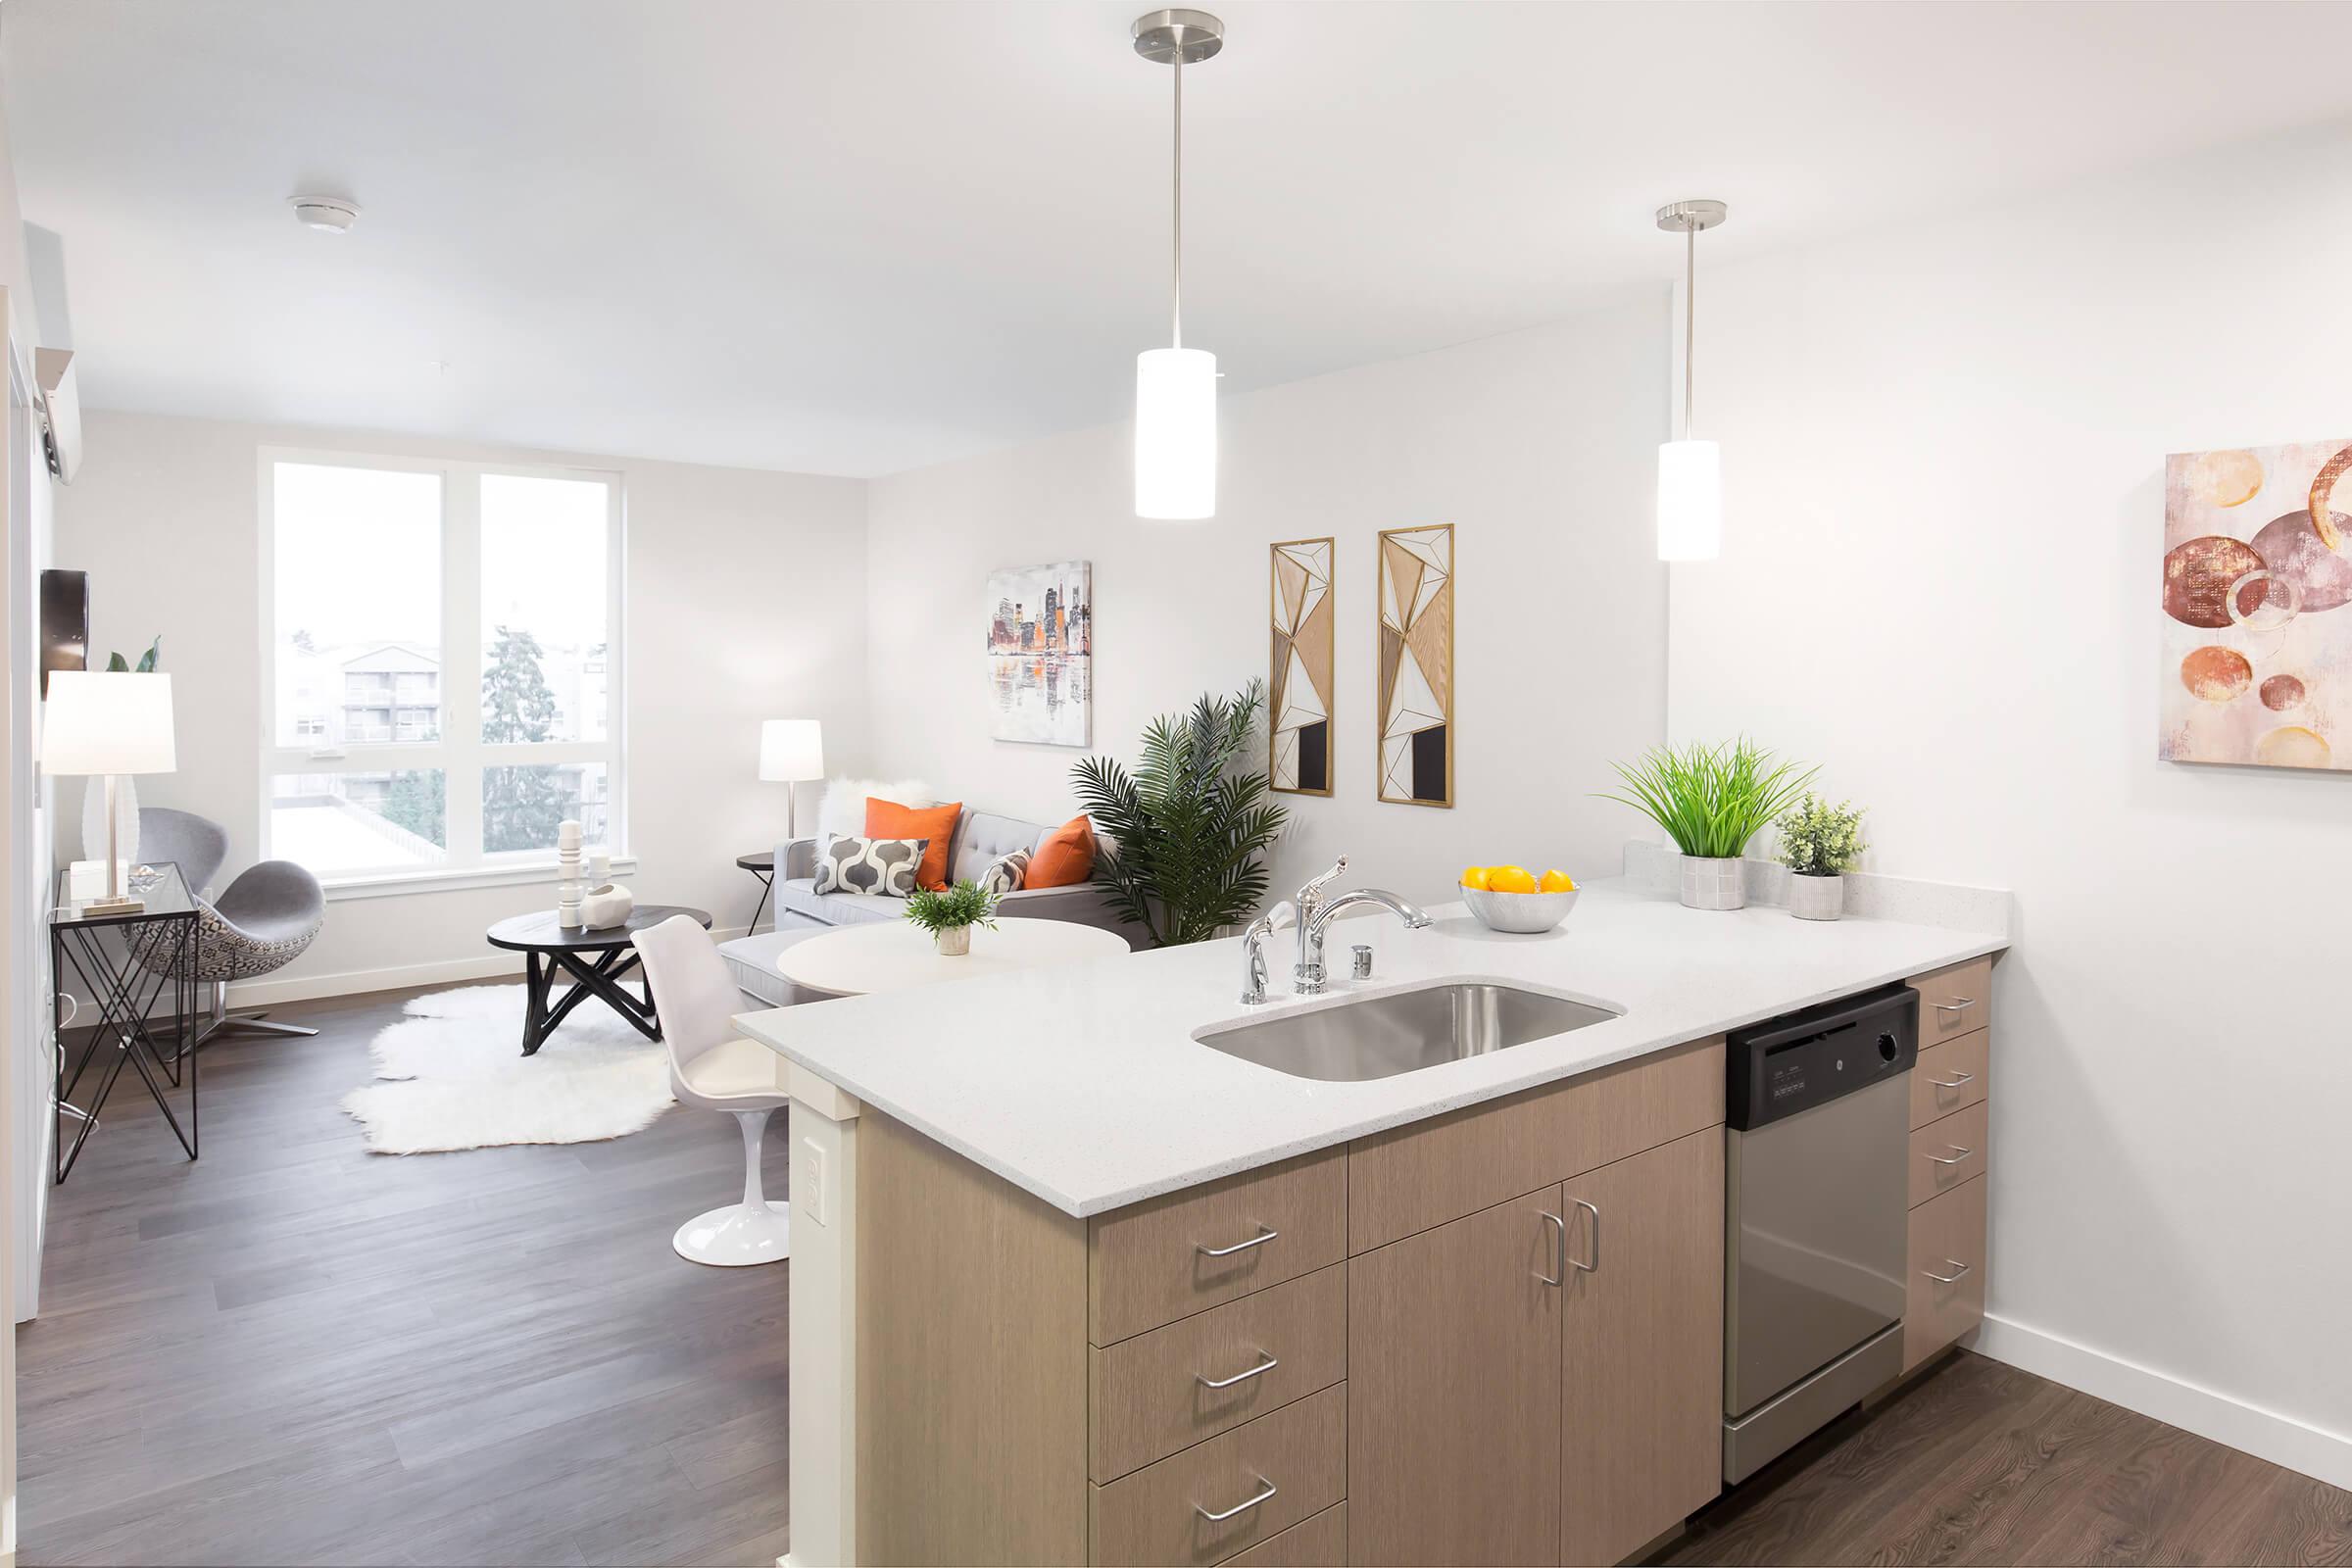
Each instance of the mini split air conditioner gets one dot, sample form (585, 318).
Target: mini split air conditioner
(60, 411)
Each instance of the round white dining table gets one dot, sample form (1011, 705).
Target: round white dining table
(894, 954)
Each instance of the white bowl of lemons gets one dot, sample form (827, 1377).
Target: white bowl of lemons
(1513, 899)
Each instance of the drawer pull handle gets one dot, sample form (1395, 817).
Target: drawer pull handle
(1559, 1248)
(1592, 1267)
(1242, 1506)
(1260, 1370)
(1959, 1080)
(1959, 1268)
(1265, 1234)
(1956, 1005)
(1958, 1154)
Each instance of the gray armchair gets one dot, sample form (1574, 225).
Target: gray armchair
(261, 923)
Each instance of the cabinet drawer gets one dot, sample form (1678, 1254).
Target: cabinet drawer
(1317, 1542)
(1152, 1395)
(1947, 1153)
(1948, 1238)
(1948, 1077)
(1294, 1459)
(1952, 1001)
(1414, 1177)
(1168, 1257)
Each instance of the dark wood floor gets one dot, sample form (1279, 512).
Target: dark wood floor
(295, 1352)
(1977, 1462)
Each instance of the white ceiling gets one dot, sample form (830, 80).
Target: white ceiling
(855, 237)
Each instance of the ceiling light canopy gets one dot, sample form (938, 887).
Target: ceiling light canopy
(331, 215)
(1690, 470)
(1176, 387)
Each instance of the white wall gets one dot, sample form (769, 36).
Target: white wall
(744, 602)
(1944, 451)
(1537, 446)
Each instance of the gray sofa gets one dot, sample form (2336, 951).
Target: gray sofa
(802, 912)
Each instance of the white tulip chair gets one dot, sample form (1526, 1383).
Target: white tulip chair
(713, 1068)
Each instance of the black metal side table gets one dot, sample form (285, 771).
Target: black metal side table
(763, 866)
(596, 957)
(129, 960)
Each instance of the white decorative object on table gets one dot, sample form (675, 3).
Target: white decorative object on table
(1521, 913)
(792, 752)
(109, 724)
(608, 906)
(1714, 882)
(1816, 898)
(570, 888)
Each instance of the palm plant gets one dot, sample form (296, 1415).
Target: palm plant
(1191, 825)
(1711, 799)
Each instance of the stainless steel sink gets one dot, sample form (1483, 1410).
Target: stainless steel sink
(1403, 1031)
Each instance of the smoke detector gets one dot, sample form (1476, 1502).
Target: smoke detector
(331, 215)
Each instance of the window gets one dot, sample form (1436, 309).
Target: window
(444, 653)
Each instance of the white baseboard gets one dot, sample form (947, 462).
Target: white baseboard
(2265, 1433)
(496, 965)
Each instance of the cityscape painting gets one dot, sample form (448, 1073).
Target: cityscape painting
(1041, 643)
(2257, 564)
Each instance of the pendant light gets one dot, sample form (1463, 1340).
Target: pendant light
(1690, 470)
(1176, 387)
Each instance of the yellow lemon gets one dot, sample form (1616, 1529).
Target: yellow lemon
(1510, 879)
(1557, 881)
(1474, 876)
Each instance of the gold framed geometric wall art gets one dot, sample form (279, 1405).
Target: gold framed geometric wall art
(1300, 669)
(1415, 673)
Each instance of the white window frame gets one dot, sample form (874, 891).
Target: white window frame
(460, 754)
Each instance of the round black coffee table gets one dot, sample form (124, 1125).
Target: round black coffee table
(595, 956)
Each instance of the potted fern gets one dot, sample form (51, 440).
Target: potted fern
(949, 914)
(1819, 843)
(1191, 827)
(1711, 800)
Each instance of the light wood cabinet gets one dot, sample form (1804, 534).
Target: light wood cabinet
(1317, 1542)
(1954, 1002)
(1453, 1365)
(1949, 1076)
(1946, 1282)
(1196, 1507)
(1168, 1257)
(1643, 1316)
(1947, 1153)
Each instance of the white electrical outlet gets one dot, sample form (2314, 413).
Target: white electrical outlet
(809, 1184)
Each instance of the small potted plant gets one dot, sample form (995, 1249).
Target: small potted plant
(949, 914)
(1711, 800)
(1819, 843)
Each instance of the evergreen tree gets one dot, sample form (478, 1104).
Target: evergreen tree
(520, 806)
(419, 801)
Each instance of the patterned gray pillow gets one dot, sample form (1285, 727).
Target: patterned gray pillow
(1006, 874)
(868, 868)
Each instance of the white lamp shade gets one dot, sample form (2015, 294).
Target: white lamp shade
(107, 722)
(1176, 434)
(792, 750)
(1689, 501)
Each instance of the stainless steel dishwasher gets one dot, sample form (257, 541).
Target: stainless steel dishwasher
(1817, 1133)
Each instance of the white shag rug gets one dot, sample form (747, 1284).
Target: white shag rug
(455, 1076)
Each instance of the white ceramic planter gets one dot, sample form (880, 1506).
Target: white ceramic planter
(955, 941)
(1712, 884)
(1816, 898)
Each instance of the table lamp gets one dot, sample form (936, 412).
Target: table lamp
(99, 721)
(791, 752)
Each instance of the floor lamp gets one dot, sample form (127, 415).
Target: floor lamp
(792, 750)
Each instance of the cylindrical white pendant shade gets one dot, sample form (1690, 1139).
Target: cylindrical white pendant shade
(1689, 501)
(1176, 434)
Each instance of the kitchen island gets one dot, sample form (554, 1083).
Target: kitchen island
(1044, 1241)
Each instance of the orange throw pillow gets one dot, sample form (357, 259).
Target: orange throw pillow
(1065, 858)
(887, 820)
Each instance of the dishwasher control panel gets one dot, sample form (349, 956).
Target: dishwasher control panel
(1802, 1059)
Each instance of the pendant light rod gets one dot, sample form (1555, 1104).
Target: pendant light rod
(1176, 221)
(1178, 38)
(1687, 218)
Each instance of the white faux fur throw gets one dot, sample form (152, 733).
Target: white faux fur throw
(457, 1078)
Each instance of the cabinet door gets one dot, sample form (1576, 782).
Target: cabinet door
(1643, 1369)
(1453, 1411)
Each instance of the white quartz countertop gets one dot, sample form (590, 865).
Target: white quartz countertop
(1083, 1084)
